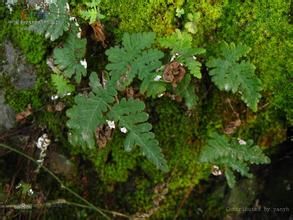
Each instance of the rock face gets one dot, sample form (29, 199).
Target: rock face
(21, 74)
(7, 115)
(14, 65)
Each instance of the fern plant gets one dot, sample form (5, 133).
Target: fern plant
(186, 90)
(70, 58)
(92, 13)
(62, 85)
(56, 23)
(99, 107)
(136, 59)
(231, 73)
(233, 155)
(180, 44)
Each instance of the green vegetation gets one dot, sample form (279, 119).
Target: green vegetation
(151, 113)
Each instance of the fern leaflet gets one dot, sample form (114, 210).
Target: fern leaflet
(180, 44)
(135, 59)
(234, 155)
(61, 84)
(56, 22)
(231, 74)
(88, 113)
(69, 58)
(129, 114)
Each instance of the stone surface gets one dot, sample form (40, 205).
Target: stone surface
(21, 74)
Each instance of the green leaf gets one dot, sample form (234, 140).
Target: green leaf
(135, 59)
(88, 113)
(180, 44)
(69, 58)
(56, 22)
(186, 90)
(62, 85)
(92, 13)
(230, 74)
(130, 115)
(234, 155)
(230, 177)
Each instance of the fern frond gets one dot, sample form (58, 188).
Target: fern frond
(92, 13)
(135, 59)
(180, 44)
(186, 90)
(69, 58)
(230, 74)
(129, 114)
(88, 113)
(56, 22)
(232, 155)
(61, 84)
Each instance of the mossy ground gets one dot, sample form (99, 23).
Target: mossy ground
(127, 177)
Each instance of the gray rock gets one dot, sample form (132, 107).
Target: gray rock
(14, 65)
(7, 115)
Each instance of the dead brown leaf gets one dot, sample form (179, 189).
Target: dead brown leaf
(174, 72)
(99, 33)
(24, 114)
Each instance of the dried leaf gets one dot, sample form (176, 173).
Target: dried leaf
(174, 72)
(24, 114)
(103, 135)
(99, 33)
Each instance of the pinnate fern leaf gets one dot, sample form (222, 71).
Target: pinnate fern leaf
(187, 91)
(88, 113)
(229, 73)
(180, 44)
(92, 13)
(56, 22)
(129, 114)
(234, 155)
(134, 59)
(69, 58)
(61, 84)
(93, 110)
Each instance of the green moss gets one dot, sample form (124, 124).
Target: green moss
(139, 16)
(264, 26)
(206, 25)
(32, 45)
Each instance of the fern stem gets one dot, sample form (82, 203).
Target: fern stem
(90, 205)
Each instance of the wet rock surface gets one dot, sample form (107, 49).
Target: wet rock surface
(21, 75)
(14, 65)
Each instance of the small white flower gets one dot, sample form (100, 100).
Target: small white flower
(172, 58)
(30, 192)
(67, 6)
(216, 170)
(54, 97)
(76, 24)
(43, 142)
(176, 54)
(241, 142)
(78, 35)
(194, 57)
(37, 7)
(72, 19)
(123, 130)
(83, 63)
(160, 95)
(68, 94)
(111, 124)
(157, 78)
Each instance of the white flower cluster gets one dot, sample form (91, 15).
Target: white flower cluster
(83, 63)
(241, 142)
(42, 143)
(216, 171)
